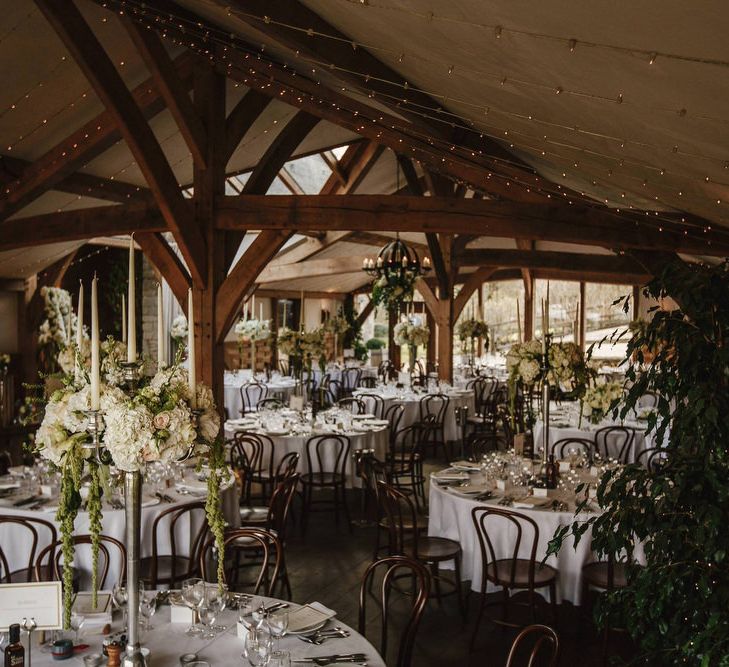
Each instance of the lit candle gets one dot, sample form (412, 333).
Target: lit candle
(260, 311)
(131, 298)
(379, 261)
(284, 313)
(191, 350)
(405, 260)
(95, 356)
(253, 307)
(518, 320)
(80, 317)
(302, 321)
(426, 262)
(124, 319)
(161, 361)
(544, 329)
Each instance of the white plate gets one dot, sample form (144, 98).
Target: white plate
(278, 431)
(368, 415)
(310, 629)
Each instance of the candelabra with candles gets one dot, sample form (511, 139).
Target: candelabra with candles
(546, 393)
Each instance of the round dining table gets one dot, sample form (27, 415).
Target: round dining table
(410, 400)
(363, 434)
(167, 641)
(450, 516)
(16, 543)
(279, 386)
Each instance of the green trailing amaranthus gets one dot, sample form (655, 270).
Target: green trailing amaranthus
(68, 507)
(213, 505)
(94, 508)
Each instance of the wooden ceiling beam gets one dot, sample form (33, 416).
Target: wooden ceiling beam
(83, 145)
(82, 44)
(162, 255)
(292, 185)
(333, 164)
(173, 90)
(296, 294)
(83, 223)
(311, 269)
(85, 185)
(241, 119)
(243, 276)
(470, 285)
(573, 224)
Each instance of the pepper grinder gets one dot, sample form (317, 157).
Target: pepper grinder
(113, 652)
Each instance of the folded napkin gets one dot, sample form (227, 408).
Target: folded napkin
(465, 465)
(450, 474)
(309, 616)
(531, 502)
(9, 485)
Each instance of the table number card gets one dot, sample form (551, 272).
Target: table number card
(40, 601)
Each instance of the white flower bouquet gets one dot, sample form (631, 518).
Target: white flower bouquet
(178, 330)
(289, 342)
(252, 330)
(337, 325)
(407, 333)
(598, 399)
(473, 328)
(523, 362)
(312, 345)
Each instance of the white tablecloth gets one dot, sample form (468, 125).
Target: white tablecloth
(16, 547)
(168, 641)
(411, 403)
(281, 388)
(450, 516)
(283, 444)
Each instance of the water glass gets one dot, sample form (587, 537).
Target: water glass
(279, 659)
(193, 595)
(257, 648)
(77, 622)
(278, 622)
(147, 608)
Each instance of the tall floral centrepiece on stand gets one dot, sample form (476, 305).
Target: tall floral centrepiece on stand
(469, 331)
(125, 420)
(250, 331)
(411, 334)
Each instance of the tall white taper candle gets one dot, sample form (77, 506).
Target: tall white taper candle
(95, 356)
(161, 351)
(124, 319)
(80, 317)
(131, 299)
(191, 350)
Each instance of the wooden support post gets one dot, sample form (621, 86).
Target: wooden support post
(209, 182)
(444, 320)
(581, 315)
(529, 308)
(636, 302)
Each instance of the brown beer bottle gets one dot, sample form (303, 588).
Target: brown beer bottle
(551, 472)
(15, 651)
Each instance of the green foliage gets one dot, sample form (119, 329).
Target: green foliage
(213, 506)
(676, 606)
(380, 331)
(68, 506)
(353, 337)
(375, 344)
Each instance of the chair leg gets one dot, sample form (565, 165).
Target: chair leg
(436, 580)
(481, 607)
(335, 491)
(459, 586)
(347, 518)
(504, 604)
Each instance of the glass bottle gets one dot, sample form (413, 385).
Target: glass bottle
(15, 651)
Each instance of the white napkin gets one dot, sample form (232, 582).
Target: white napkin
(9, 485)
(309, 616)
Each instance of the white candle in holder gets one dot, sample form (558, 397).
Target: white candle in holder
(161, 361)
(80, 318)
(124, 320)
(191, 350)
(95, 356)
(132, 331)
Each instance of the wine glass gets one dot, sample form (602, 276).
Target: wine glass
(77, 622)
(193, 595)
(278, 622)
(119, 600)
(257, 648)
(245, 610)
(217, 601)
(147, 608)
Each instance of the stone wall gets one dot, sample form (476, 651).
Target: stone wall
(149, 310)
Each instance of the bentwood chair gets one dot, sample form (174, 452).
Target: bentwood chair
(615, 442)
(4, 568)
(29, 534)
(508, 570)
(354, 404)
(392, 572)
(169, 569)
(405, 538)
(652, 458)
(48, 566)
(350, 379)
(251, 394)
(479, 444)
(544, 644)
(368, 382)
(274, 519)
(405, 462)
(393, 415)
(374, 403)
(253, 452)
(326, 458)
(433, 409)
(263, 548)
(568, 446)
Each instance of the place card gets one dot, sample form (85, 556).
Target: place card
(501, 484)
(181, 614)
(296, 403)
(540, 493)
(40, 601)
(564, 466)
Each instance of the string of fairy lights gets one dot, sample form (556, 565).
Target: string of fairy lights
(208, 35)
(229, 41)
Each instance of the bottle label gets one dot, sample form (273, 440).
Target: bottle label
(17, 660)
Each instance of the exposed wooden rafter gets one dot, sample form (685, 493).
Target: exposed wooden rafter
(241, 119)
(88, 53)
(159, 252)
(471, 284)
(573, 224)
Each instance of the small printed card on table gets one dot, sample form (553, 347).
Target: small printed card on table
(36, 600)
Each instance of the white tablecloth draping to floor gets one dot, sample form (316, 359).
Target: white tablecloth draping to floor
(411, 403)
(167, 641)
(278, 387)
(376, 439)
(16, 543)
(450, 516)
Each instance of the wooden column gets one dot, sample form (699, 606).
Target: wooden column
(209, 182)
(444, 320)
(636, 302)
(480, 311)
(582, 316)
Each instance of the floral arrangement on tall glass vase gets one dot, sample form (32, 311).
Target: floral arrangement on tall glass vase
(411, 334)
(108, 414)
(469, 331)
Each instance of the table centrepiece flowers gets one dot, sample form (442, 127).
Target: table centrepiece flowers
(156, 422)
(599, 399)
(469, 330)
(56, 331)
(411, 334)
(178, 331)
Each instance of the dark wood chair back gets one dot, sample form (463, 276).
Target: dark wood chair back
(433, 409)
(402, 520)
(350, 379)
(544, 644)
(393, 415)
(503, 522)
(261, 542)
(254, 450)
(321, 448)
(34, 532)
(567, 446)
(4, 569)
(375, 403)
(48, 565)
(6, 462)
(368, 382)
(404, 449)
(393, 572)
(278, 509)
(252, 393)
(354, 404)
(167, 522)
(615, 442)
(652, 458)
(287, 466)
(480, 443)
(284, 367)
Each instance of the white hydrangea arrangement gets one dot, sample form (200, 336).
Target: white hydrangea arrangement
(289, 342)
(407, 333)
(523, 362)
(312, 346)
(337, 325)
(598, 399)
(56, 335)
(567, 367)
(252, 330)
(178, 330)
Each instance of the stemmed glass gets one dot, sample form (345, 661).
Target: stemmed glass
(119, 600)
(279, 659)
(257, 647)
(193, 594)
(77, 622)
(278, 622)
(147, 608)
(213, 604)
